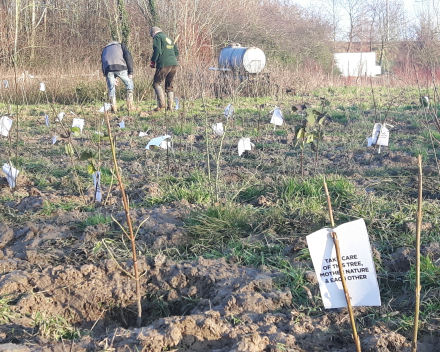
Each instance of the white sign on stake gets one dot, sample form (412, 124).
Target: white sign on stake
(5, 126)
(229, 110)
(46, 118)
(218, 129)
(78, 123)
(277, 117)
(357, 262)
(60, 116)
(42, 87)
(106, 107)
(382, 132)
(97, 182)
(163, 142)
(244, 144)
(11, 174)
(176, 100)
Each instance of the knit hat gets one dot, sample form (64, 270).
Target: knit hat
(154, 30)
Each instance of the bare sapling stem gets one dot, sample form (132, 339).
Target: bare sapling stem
(418, 233)
(208, 161)
(130, 226)
(329, 204)
(341, 271)
(302, 154)
(69, 142)
(18, 111)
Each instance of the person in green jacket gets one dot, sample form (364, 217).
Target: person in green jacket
(164, 60)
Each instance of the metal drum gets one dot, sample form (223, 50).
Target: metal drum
(238, 58)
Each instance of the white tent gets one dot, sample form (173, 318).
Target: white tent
(357, 64)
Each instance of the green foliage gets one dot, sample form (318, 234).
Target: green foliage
(69, 149)
(76, 131)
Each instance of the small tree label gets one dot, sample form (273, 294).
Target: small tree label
(357, 263)
(218, 129)
(277, 117)
(5, 125)
(163, 142)
(380, 135)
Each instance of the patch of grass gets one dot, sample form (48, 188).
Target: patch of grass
(429, 274)
(54, 327)
(184, 129)
(95, 220)
(217, 226)
(49, 208)
(7, 315)
(194, 189)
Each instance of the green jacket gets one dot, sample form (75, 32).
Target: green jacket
(165, 52)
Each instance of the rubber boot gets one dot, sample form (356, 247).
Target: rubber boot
(130, 105)
(170, 100)
(113, 103)
(160, 98)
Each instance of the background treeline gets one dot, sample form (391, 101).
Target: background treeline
(68, 35)
(71, 33)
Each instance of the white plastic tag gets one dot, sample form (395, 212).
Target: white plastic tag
(218, 129)
(229, 110)
(42, 87)
(5, 125)
(60, 116)
(382, 132)
(105, 107)
(78, 123)
(11, 174)
(244, 144)
(277, 117)
(97, 182)
(163, 142)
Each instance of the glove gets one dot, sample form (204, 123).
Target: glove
(152, 64)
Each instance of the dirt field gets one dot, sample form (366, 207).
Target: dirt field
(223, 256)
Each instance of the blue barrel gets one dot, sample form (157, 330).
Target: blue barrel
(238, 58)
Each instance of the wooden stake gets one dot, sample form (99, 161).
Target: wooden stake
(418, 232)
(341, 271)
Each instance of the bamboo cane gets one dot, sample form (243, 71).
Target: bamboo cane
(341, 271)
(418, 232)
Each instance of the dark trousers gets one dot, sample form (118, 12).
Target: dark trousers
(166, 73)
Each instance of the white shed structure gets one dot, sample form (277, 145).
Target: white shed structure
(357, 64)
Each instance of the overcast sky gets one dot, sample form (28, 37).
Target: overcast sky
(409, 4)
(411, 8)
